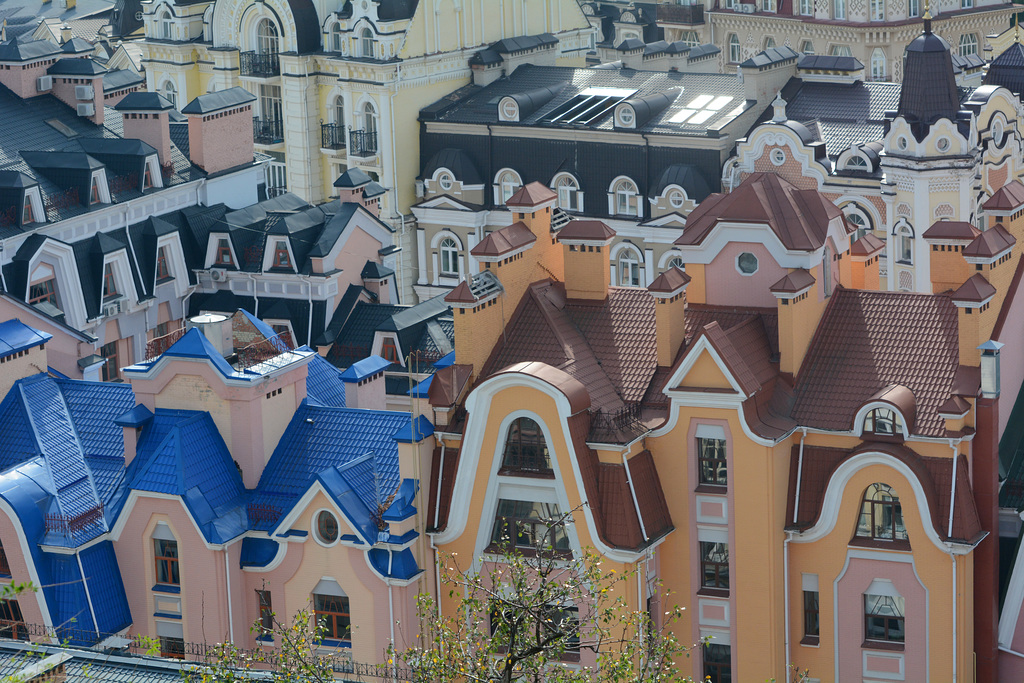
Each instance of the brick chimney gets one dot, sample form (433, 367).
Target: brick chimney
(586, 248)
(477, 306)
(78, 83)
(364, 384)
(532, 205)
(220, 129)
(860, 269)
(147, 118)
(1006, 207)
(23, 62)
(23, 354)
(356, 186)
(799, 313)
(976, 316)
(947, 240)
(669, 292)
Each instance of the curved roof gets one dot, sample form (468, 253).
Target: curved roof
(573, 389)
(902, 399)
(456, 161)
(686, 176)
(530, 101)
(307, 25)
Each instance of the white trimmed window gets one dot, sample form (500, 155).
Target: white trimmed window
(877, 64)
(905, 245)
(448, 251)
(336, 40)
(625, 198)
(839, 9)
(569, 196)
(840, 51)
(506, 184)
(163, 21)
(734, 48)
(629, 268)
(968, 44)
(806, 7)
(366, 44)
(268, 39)
(913, 8)
(877, 10)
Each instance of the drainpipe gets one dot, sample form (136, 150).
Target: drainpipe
(309, 299)
(785, 579)
(440, 475)
(88, 595)
(227, 579)
(255, 296)
(952, 490)
(799, 474)
(953, 557)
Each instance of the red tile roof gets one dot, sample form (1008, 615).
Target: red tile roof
(1006, 198)
(461, 294)
(975, 290)
(531, 195)
(586, 230)
(993, 241)
(793, 281)
(447, 385)
(671, 281)
(867, 245)
(504, 241)
(579, 399)
(956, 406)
(798, 217)
(442, 488)
(951, 230)
(869, 340)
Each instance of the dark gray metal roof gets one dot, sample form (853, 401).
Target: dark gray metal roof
(685, 176)
(773, 55)
(456, 161)
(929, 86)
(76, 66)
(829, 63)
(16, 179)
(215, 101)
(76, 46)
(630, 44)
(60, 160)
(143, 101)
(394, 10)
(702, 51)
(523, 43)
(353, 178)
(122, 78)
(19, 50)
(1007, 70)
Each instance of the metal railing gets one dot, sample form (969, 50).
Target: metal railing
(332, 136)
(262, 350)
(262, 65)
(68, 525)
(267, 131)
(363, 143)
(691, 15)
(157, 345)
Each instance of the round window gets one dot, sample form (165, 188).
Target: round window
(510, 109)
(747, 263)
(902, 142)
(942, 144)
(626, 116)
(446, 181)
(778, 157)
(997, 131)
(676, 262)
(676, 198)
(326, 527)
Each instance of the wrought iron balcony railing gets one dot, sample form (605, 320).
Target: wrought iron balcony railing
(332, 136)
(262, 65)
(267, 131)
(363, 143)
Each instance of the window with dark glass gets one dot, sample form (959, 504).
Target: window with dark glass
(524, 524)
(327, 527)
(12, 623)
(883, 618)
(162, 270)
(166, 555)
(281, 258)
(95, 193)
(109, 282)
(332, 613)
(28, 216)
(223, 253)
(717, 663)
(172, 647)
(5, 567)
(111, 368)
(711, 461)
(266, 612)
(525, 448)
(714, 561)
(43, 291)
(811, 624)
(388, 350)
(147, 178)
(883, 422)
(881, 517)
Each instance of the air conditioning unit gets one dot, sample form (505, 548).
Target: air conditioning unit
(745, 7)
(218, 274)
(84, 92)
(111, 309)
(86, 109)
(44, 83)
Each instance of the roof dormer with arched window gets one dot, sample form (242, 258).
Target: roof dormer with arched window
(888, 415)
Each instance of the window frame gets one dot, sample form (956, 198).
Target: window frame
(163, 269)
(877, 10)
(222, 255)
(735, 49)
(806, 8)
(265, 610)
(282, 257)
(48, 294)
(528, 524)
(109, 283)
(898, 605)
(367, 43)
(568, 190)
(628, 264)
(172, 647)
(720, 668)
(879, 66)
(111, 367)
(324, 612)
(321, 521)
(875, 508)
(968, 42)
(171, 564)
(12, 621)
(704, 443)
(448, 257)
(268, 42)
(839, 10)
(714, 566)
(812, 616)
(529, 456)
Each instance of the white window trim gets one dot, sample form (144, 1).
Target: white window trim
(858, 420)
(499, 185)
(176, 265)
(314, 531)
(328, 585)
(378, 346)
(153, 164)
(632, 201)
(508, 117)
(614, 257)
(271, 249)
(576, 194)
(211, 249)
(282, 322)
(35, 197)
(120, 266)
(99, 176)
(69, 286)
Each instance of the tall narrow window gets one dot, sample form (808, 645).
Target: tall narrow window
(806, 7)
(629, 269)
(717, 663)
(336, 37)
(905, 245)
(339, 110)
(43, 292)
(170, 92)
(12, 623)
(913, 8)
(369, 117)
(111, 367)
(163, 272)
(811, 618)
(877, 10)
(389, 350)
(267, 38)
(164, 21)
(525, 448)
(839, 9)
(5, 567)
(367, 44)
(626, 198)
(27, 215)
(332, 613)
(281, 258)
(94, 193)
(166, 556)
(711, 462)
(826, 271)
(734, 48)
(449, 252)
(109, 282)
(266, 612)
(714, 564)
(881, 515)
(877, 65)
(529, 525)
(223, 253)
(883, 618)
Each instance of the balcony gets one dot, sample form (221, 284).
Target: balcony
(260, 65)
(332, 136)
(363, 143)
(267, 131)
(690, 15)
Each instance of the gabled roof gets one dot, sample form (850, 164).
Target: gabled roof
(324, 383)
(1007, 70)
(586, 230)
(21, 50)
(530, 195)
(773, 55)
(77, 45)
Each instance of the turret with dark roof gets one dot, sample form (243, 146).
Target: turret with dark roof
(929, 87)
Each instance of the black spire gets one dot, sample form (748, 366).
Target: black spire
(929, 91)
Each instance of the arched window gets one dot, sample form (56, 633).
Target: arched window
(905, 245)
(164, 23)
(366, 43)
(877, 64)
(856, 163)
(268, 41)
(449, 253)
(629, 268)
(877, 10)
(339, 110)
(170, 92)
(507, 184)
(525, 448)
(883, 422)
(968, 44)
(369, 117)
(807, 47)
(626, 199)
(568, 193)
(826, 270)
(734, 48)
(881, 517)
(839, 9)
(336, 39)
(858, 222)
(676, 262)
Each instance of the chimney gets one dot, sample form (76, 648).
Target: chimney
(947, 241)
(70, 4)
(586, 247)
(532, 205)
(669, 292)
(376, 279)
(364, 384)
(976, 316)
(23, 63)
(992, 253)
(356, 186)
(147, 118)
(132, 423)
(78, 83)
(799, 313)
(220, 129)
(65, 34)
(510, 255)
(763, 79)
(1004, 207)
(860, 269)
(479, 320)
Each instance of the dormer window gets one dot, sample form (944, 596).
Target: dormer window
(881, 516)
(223, 253)
(883, 422)
(27, 215)
(163, 271)
(626, 116)
(94, 193)
(109, 283)
(147, 179)
(389, 350)
(525, 448)
(367, 43)
(43, 292)
(281, 257)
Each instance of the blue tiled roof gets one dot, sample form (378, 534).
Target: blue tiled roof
(93, 407)
(258, 552)
(17, 336)
(421, 389)
(324, 385)
(103, 578)
(445, 361)
(414, 430)
(136, 417)
(364, 368)
(402, 507)
(399, 565)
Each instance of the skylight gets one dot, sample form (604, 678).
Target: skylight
(62, 128)
(700, 101)
(588, 106)
(719, 102)
(681, 115)
(701, 116)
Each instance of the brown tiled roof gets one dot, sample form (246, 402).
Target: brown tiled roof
(951, 230)
(699, 315)
(993, 241)
(609, 346)
(794, 281)
(954, 406)
(579, 399)
(934, 474)
(975, 290)
(448, 384)
(650, 496)
(868, 340)
(1006, 198)
(966, 381)
(867, 245)
(504, 241)
(531, 195)
(798, 217)
(462, 294)
(447, 483)
(578, 229)
(669, 282)
(722, 343)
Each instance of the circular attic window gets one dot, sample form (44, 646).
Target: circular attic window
(510, 109)
(445, 181)
(326, 527)
(942, 144)
(676, 198)
(778, 157)
(746, 263)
